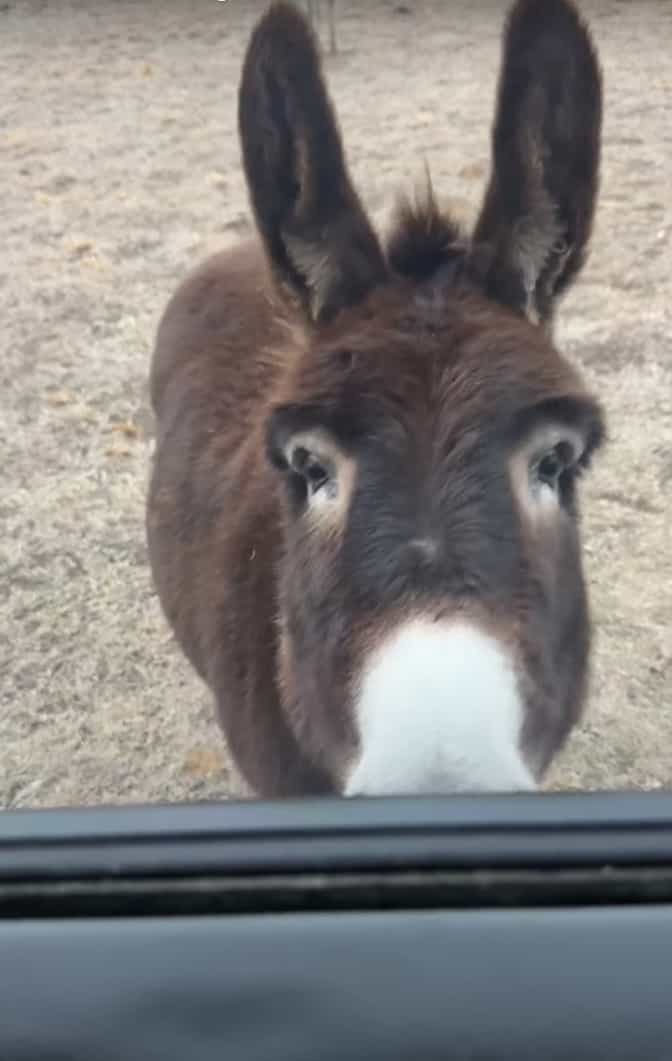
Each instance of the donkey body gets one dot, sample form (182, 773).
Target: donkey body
(362, 519)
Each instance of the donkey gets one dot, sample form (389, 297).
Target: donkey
(363, 519)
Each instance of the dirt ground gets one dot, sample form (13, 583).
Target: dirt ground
(119, 171)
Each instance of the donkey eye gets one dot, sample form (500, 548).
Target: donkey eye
(316, 475)
(549, 468)
(313, 470)
(553, 464)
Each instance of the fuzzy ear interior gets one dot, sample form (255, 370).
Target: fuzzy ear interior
(538, 210)
(323, 250)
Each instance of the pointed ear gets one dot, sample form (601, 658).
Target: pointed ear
(538, 211)
(321, 247)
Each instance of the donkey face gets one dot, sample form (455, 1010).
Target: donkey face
(434, 630)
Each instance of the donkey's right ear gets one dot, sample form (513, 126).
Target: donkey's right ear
(320, 244)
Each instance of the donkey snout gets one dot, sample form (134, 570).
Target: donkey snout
(439, 711)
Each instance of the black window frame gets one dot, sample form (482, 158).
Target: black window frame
(463, 927)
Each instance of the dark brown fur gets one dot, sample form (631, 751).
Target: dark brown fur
(425, 361)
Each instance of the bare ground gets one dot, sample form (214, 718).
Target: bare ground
(119, 171)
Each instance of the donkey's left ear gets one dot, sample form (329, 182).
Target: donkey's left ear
(539, 207)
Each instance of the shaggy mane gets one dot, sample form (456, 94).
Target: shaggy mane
(423, 238)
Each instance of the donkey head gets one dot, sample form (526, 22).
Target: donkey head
(427, 436)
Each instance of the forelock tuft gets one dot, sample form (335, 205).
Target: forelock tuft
(423, 238)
